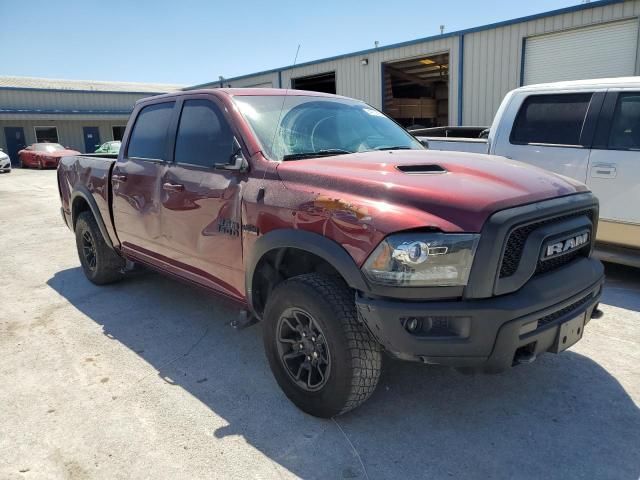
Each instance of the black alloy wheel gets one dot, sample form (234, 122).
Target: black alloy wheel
(303, 349)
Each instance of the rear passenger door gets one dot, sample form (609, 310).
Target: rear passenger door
(553, 131)
(136, 181)
(201, 203)
(614, 168)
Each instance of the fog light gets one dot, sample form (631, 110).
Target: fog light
(413, 324)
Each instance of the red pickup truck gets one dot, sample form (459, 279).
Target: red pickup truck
(328, 222)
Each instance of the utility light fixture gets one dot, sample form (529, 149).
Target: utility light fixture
(364, 61)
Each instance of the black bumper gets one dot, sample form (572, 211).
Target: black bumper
(488, 334)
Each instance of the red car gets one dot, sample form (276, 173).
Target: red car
(43, 155)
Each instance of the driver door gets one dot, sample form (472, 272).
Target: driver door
(201, 202)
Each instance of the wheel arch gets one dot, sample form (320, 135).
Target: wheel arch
(81, 201)
(274, 247)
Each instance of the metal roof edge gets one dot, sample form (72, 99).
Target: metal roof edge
(489, 26)
(53, 111)
(69, 90)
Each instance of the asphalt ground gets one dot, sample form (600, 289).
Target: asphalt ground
(146, 379)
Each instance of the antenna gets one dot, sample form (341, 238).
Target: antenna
(275, 133)
(284, 99)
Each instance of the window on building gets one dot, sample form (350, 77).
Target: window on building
(149, 136)
(551, 119)
(46, 134)
(625, 127)
(325, 82)
(118, 132)
(204, 137)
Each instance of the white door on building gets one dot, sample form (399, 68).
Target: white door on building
(602, 51)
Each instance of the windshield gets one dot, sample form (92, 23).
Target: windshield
(47, 147)
(317, 126)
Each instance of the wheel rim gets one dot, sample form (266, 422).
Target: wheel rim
(89, 250)
(303, 349)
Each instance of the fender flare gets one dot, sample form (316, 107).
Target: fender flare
(330, 251)
(83, 192)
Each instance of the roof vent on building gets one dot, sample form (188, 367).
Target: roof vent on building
(421, 169)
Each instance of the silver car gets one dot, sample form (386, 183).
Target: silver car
(5, 162)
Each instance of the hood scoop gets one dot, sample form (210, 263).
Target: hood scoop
(421, 169)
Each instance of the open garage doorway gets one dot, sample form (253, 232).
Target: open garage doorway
(416, 91)
(325, 82)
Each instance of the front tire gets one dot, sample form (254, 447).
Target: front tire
(323, 358)
(101, 264)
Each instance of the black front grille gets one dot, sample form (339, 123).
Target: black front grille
(518, 237)
(564, 311)
(557, 262)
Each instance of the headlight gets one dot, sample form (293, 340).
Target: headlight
(422, 259)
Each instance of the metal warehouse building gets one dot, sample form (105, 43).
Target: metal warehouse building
(77, 114)
(461, 77)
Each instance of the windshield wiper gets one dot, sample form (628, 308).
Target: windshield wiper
(319, 153)
(396, 147)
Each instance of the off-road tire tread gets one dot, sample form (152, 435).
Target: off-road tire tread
(110, 265)
(364, 350)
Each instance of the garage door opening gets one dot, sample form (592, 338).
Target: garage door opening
(325, 82)
(416, 91)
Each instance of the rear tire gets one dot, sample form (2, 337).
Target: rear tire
(101, 264)
(347, 358)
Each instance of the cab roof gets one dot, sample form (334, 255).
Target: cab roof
(246, 92)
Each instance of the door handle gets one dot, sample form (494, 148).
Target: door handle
(118, 177)
(603, 171)
(172, 187)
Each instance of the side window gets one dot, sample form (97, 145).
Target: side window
(204, 137)
(551, 119)
(625, 127)
(149, 135)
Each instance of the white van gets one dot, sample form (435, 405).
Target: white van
(588, 130)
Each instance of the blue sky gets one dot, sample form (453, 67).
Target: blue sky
(191, 42)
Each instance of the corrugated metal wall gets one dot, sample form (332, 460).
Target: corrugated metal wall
(266, 80)
(492, 58)
(69, 131)
(69, 124)
(365, 81)
(492, 62)
(31, 99)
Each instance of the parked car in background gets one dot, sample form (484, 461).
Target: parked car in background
(588, 130)
(43, 155)
(323, 218)
(5, 162)
(109, 147)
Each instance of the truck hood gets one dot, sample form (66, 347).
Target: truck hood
(452, 191)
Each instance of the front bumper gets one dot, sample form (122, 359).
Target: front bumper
(489, 334)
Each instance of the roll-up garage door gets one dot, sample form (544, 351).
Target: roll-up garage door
(601, 51)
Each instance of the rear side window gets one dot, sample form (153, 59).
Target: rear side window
(551, 119)
(204, 137)
(149, 136)
(625, 127)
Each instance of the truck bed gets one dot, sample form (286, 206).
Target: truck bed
(89, 177)
(473, 145)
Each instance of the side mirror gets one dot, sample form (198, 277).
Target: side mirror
(425, 143)
(236, 160)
